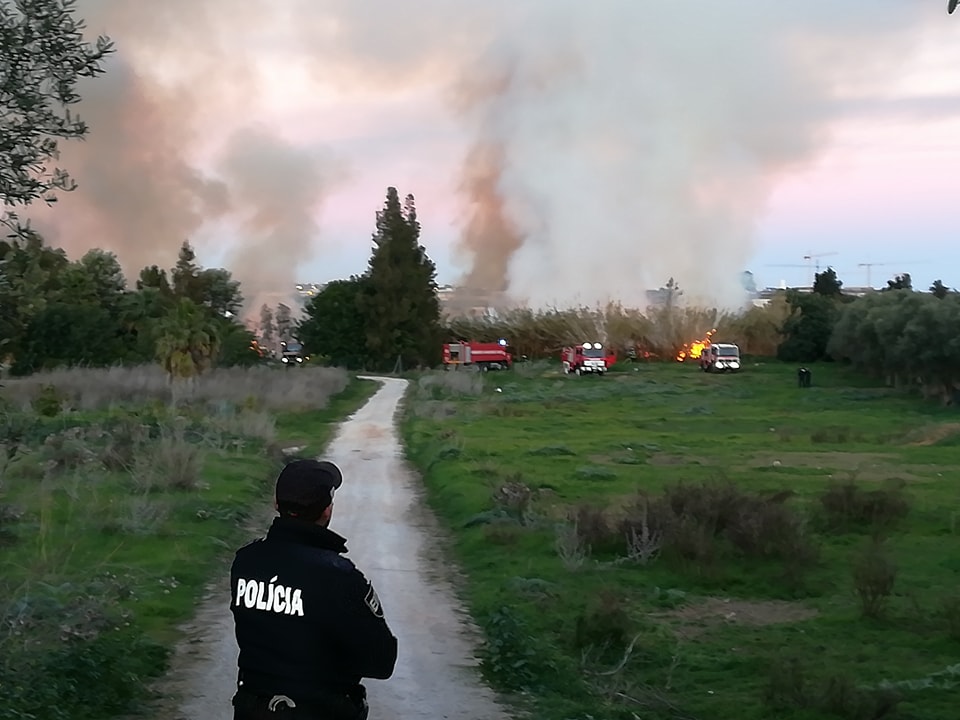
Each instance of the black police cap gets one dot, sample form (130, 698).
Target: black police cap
(305, 487)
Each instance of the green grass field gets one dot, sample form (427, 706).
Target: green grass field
(116, 513)
(663, 543)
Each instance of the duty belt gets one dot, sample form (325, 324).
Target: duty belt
(331, 705)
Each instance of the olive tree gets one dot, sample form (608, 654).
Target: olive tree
(43, 54)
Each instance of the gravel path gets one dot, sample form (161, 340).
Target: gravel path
(393, 539)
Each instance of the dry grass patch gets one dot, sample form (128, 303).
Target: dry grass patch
(688, 621)
(933, 434)
(667, 459)
(260, 388)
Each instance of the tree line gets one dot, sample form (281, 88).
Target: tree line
(60, 312)
(898, 335)
(57, 312)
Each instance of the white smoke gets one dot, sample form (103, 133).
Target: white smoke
(609, 146)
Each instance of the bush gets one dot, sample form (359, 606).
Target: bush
(594, 527)
(698, 523)
(874, 576)
(846, 506)
(605, 622)
(515, 498)
(48, 402)
(790, 687)
(169, 462)
(510, 656)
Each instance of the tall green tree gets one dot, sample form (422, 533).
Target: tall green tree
(827, 283)
(939, 290)
(154, 277)
(333, 329)
(218, 292)
(236, 345)
(211, 288)
(42, 56)
(95, 278)
(807, 329)
(900, 282)
(400, 303)
(31, 276)
(68, 334)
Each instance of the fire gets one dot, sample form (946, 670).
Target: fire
(694, 349)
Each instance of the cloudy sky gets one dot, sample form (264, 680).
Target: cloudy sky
(564, 151)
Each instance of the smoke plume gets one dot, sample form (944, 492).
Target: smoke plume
(632, 141)
(277, 185)
(606, 147)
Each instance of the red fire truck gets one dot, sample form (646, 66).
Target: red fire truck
(485, 356)
(586, 358)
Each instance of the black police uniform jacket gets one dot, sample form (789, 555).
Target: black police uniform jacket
(307, 621)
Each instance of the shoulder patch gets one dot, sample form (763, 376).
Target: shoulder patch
(373, 601)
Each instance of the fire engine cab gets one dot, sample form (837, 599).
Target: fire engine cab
(586, 358)
(486, 356)
(720, 357)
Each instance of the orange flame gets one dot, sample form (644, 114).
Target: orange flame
(694, 349)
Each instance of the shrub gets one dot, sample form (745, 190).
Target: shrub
(570, 547)
(169, 462)
(509, 655)
(48, 402)
(123, 444)
(698, 523)
(594, 528)
(66, 450)
(845, 506)
(515, 498)
(604, 623)
(790, 686)
(874, 576)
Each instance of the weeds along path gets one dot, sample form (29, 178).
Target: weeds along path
(394, 540)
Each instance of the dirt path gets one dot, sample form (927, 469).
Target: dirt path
(392, 538)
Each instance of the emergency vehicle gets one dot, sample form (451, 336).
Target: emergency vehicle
(485, 356)
(720, 357)
(586, 358)
(291, 353)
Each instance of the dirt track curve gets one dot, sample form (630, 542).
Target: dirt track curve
(391, 537)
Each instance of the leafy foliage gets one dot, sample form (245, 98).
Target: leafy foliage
(60, 313)
(807, 329)
(390, 313)
(903, 337)
(42, 56)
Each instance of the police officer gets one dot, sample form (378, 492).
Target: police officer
(309, 624)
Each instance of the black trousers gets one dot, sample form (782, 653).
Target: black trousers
(251, 706)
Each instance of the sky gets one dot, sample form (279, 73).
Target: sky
(560, 151)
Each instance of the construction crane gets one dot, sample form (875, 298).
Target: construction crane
(870, 265)
(812, 259)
